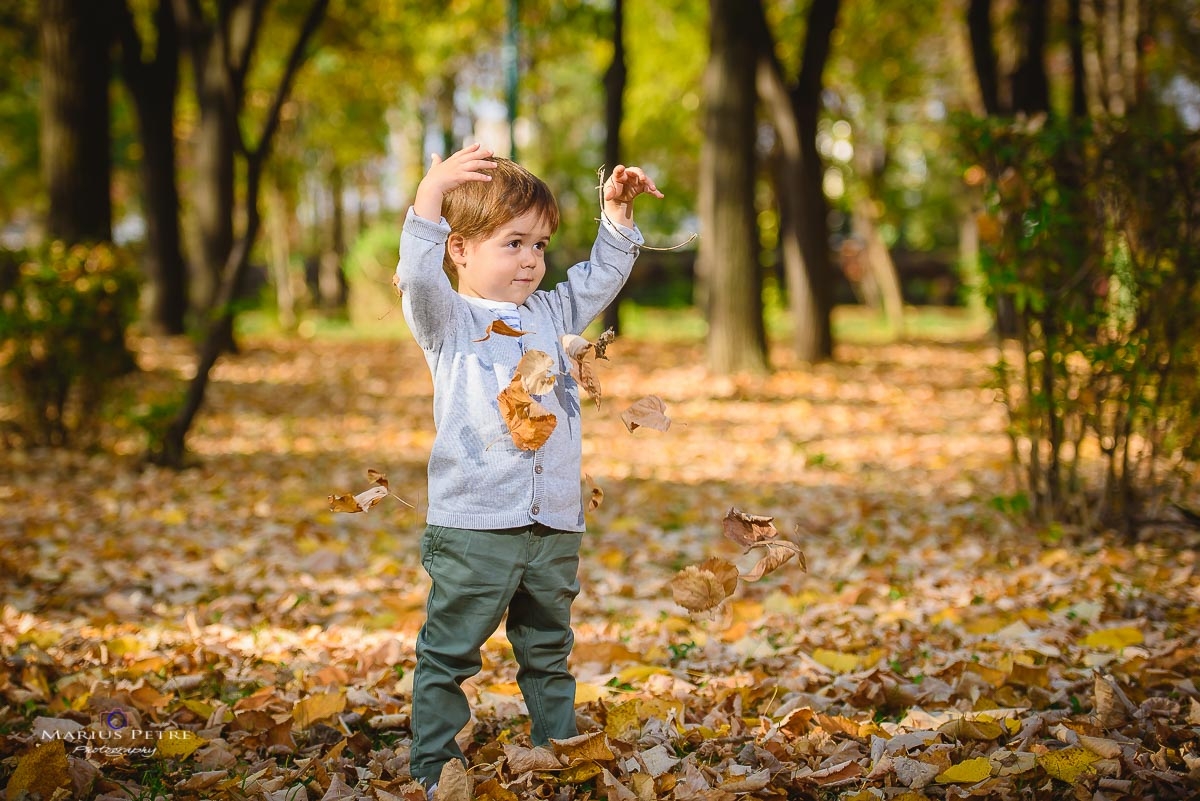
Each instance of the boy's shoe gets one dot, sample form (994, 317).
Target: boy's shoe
(430, 790)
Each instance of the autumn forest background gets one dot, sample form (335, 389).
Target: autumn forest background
(918, 310)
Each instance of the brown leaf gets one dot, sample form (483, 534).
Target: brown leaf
(595, 496)
(699, 588)
(502, 328)
(377, 478)
(603, 341)
(454, 784)
(778, 553)
(357, 503)
(649, 412)
(529, 423)
(536, 370)
(583, 369)
(748, 530)
(318, 706)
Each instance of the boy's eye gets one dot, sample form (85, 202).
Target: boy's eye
(540, 246)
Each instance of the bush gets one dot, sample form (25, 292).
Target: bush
(1091, 241)
(65, 311)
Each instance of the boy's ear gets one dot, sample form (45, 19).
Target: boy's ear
(456, 248)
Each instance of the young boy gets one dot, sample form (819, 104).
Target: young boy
(504, 524)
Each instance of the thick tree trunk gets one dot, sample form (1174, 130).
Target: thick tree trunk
(173, 447)
(154, 86)
(803, 213)
(75, 142)
(614, 112)
(729, 250)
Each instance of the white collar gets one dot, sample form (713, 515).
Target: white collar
(494, 305)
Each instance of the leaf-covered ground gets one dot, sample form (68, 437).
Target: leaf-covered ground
(219, 633)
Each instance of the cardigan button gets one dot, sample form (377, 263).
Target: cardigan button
(537, 469)
(536, 509)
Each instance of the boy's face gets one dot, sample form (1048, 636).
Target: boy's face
(508, 265)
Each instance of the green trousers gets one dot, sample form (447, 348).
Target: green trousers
(532, 574)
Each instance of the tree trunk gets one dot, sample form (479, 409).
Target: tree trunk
(736, 339)
(279, 250)
(331, 278)
(614, 112)
(803, 212)
(812, 310)
(75, 140)
(880, 268)
(213, 149)
(173, 447)
(983, 54)
(154, 86)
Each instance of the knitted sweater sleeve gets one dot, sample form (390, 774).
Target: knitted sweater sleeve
(592, 285)
(427, 297)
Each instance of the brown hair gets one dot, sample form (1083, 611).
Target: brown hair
(476, 209)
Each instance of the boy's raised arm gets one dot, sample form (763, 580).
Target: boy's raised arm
(462, 167)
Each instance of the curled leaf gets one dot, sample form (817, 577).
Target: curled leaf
(748, 530)
(603, 341)
(357, 503)
(583, 369)
(699, 588)
(649, 412)
(529, 423)
(778, 553)
(502, 328)
(536, 371)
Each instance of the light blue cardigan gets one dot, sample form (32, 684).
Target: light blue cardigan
(478, 479)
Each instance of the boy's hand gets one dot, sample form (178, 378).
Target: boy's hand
(625, 184)
(465, 165)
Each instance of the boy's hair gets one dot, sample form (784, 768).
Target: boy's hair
(476, 209)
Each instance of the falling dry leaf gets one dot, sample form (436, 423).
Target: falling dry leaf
(756, 531)
(582, 355)
(748, 530)
(529, 423)
(361, 502)
(699, 588)
(536, 371)
(603, 341)
(649, 412)
(595, 494)
(502, 328)
(778, 553)
(364, 500)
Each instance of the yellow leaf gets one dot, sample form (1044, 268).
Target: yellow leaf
(590, 747)
(836, 661)
(317, 707)
(42, 638)
(639, 673)
(125, 644)
(586, 693)
(200, 709)
(41, 771)
(1068, 764)
(1113, 639)
(967, 772)
(580, 773)
(623, 720)
(178, 744)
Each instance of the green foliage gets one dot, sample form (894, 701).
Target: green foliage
(1091, 237)
(62, 333)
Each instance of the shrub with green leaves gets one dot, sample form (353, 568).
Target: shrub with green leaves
(64, 312)
(1090, 239)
